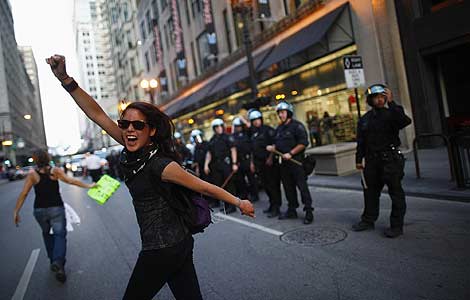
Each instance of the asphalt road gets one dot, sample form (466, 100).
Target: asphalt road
(242, 261)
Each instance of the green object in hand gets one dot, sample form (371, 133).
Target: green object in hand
(104, 189)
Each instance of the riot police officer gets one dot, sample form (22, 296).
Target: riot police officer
(245, 169)
(266, 167)
(377, 144)
(291, 139)
(200, 151)
(181, 149)
(221, 159)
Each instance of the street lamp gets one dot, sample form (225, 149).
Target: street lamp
(150, 87)
(243, 8)
(27, 117)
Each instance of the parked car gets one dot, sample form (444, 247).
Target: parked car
(76, 164)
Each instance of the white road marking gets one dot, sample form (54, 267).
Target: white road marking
(24, 281)
(250, 224)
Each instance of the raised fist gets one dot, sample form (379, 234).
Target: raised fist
(57, 63)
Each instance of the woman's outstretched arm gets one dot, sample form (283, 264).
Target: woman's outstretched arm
(89, 106)
(175, 174)
(71, 180)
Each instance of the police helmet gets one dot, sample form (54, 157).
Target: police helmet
(283, 105)
(177, 135)
(237, 122)
(255, 114)
(374, 90)
(217, 122)
(196, 132)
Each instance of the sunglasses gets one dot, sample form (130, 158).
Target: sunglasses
(137, 125)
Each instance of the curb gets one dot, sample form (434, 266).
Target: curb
(464, 199)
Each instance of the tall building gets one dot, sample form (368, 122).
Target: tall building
(196, 49)
(120, 16)
(37, 117)
(18, 107)
(92, 42)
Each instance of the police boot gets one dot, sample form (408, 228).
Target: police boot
(268, 210)
(289, 214)
(308, 216)
(362, 225)
(274, 212)
(393, 232)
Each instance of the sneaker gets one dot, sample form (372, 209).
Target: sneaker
(60, 275)
(289, 214)
(55, 267)
(308, 217)
(393, 232)
(362, 225)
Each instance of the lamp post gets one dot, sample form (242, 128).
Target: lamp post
(150, 87)
(243, 8)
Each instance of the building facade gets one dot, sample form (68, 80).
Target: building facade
(120, 19)
(297, 49)
(97, 73)
(37, 117)
(18, 107)
(436, 45)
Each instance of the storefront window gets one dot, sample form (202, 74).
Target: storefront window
(318, 93)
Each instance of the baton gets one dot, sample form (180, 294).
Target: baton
(363, 178)
(292, 160)
(227, 179)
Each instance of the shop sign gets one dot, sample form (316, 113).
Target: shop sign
(353, 71)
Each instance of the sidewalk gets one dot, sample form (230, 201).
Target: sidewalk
(434, 182)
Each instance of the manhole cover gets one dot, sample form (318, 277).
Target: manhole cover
(316, 236)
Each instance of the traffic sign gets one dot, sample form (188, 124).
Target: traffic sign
(353, 71)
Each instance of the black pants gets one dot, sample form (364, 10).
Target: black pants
(243, 189)
(219, 172)
(293, 176)
(173, 265)
(378, 172)
(95, 174)
(271, 179)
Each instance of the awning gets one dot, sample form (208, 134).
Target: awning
(240, 72)
(191, 99)
(302, 39)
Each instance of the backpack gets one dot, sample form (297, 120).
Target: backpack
(309, 164)
(192, 207)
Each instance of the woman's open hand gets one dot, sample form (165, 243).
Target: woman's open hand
(247, 208)
(57, 63)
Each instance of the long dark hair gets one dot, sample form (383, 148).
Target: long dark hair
(41, 158)
(165, 128)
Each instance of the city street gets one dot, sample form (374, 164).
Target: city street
(240, 260)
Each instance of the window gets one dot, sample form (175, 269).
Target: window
(187, 8)
(155, 9)
(149, 22)
(196, 7)
(204, 52)
(133, 70)
(171, 29)
(164, 4)
(227, 32)
(125, 11)
(193, 55)
(142, 31)
(147, 62)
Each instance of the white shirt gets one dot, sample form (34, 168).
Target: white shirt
(92, 162)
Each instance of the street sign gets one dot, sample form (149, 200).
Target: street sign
(353, 71)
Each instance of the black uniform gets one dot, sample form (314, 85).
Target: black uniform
(199, 157)
(270, 175)
(378, 142)
(244, 149)
(221, 162)
(184, 152)
(292, 175)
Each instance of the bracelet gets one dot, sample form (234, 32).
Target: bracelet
(239, 202)
(72, 86)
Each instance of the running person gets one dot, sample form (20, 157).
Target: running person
(49, 208)
(151, 167)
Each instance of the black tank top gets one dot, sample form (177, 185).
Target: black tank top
(47, 192)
